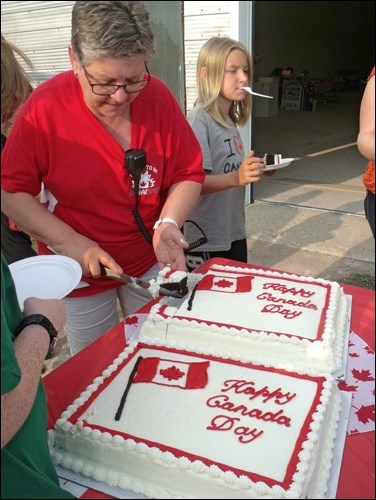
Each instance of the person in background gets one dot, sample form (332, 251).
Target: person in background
(27, 470)
(15, 88)
(366, 146)
(223, 66)
(78, 130)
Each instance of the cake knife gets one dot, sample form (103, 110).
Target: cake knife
(164, 289)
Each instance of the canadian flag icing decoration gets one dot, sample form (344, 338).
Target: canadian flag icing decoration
(230, 284)
(173, 373)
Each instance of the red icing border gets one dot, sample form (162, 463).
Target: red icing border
(292, 467)
(319, 333)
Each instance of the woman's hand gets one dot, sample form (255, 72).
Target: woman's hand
(88, 254)
(33, 218)
(169, 244)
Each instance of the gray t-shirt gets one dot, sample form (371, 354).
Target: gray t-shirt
(220, 215)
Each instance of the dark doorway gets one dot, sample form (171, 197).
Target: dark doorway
(329, 50)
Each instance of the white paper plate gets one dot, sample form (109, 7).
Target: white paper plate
(45, 277)
(284, 163)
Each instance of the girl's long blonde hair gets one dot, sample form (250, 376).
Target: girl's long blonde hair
(212, 57)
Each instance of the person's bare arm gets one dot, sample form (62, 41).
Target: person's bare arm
(366, 136)
(249, 171)
(33, 218)
(31, 347)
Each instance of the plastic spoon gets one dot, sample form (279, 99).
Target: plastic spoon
(248, 89)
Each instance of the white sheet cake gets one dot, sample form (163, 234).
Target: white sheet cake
(262, 316)
(197, 426)
(228, 392)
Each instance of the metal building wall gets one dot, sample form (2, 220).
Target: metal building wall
(42, 31)
(202, 20)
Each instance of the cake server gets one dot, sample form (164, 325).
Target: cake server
(164, 289)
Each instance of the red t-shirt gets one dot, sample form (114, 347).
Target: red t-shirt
(57, 141)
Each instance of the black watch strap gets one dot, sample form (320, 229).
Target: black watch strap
(39, 319)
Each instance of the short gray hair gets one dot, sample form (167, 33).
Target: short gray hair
(116, 30)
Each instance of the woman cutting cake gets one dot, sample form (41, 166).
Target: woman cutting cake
(81, 131)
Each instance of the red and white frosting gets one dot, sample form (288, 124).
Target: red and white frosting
(198, 426)
(272, 159)
(262, 316)
(231, 396)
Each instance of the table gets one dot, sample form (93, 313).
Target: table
(66, 382)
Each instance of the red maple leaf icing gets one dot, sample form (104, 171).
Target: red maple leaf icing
(224, 283)
(354, 355)
(342, 386)
(366, 414)
(172, 373)
(363, 375)
(351, 344)
(131, 320)
(368, 350)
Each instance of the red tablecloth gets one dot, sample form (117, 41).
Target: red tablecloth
(66, 382)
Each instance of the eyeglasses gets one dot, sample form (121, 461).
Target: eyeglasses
(129, 88)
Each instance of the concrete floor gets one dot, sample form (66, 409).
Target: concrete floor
(308, 218)
(328, 169)
(331, 181)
